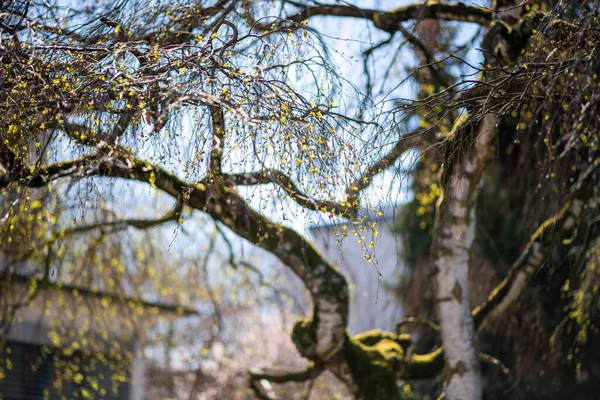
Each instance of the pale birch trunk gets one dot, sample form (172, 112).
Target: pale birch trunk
(452, 244)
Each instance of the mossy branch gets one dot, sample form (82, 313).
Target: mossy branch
(529, 261)
(260, 380)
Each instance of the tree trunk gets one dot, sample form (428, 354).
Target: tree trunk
(453, 238)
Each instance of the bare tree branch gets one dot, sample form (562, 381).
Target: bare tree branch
(417, 321)
(350, 206)
(489, 359)
(386, 20)
(417, 138)
(430, 62)
(278, 376)
(287, 184)
(140, 224)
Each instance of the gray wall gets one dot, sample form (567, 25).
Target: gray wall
(372, 302)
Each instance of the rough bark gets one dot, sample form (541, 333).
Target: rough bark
(452, 243)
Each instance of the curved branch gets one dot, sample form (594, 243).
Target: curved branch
(489, 359)
(388, 21)
(423, 366)
(274, 176)
(417, 138)
(417, 321)
(507, 292)
(427, 366)
(529, 261)
(311, 372)
(307, 12)
(348, 208)
(431, 63)
(228, 44)
(140, 224)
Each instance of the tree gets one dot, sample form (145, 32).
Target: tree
(125, 93)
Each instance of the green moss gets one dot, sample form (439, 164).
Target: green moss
(374, 358)
(461, 121)
(426, 365)
(372, 337)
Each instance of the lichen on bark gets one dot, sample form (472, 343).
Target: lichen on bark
(375, 357)
(378, 362)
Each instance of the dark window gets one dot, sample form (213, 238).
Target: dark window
(34, 369)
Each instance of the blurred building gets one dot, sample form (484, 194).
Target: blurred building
(372, 272)
(68, 342)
